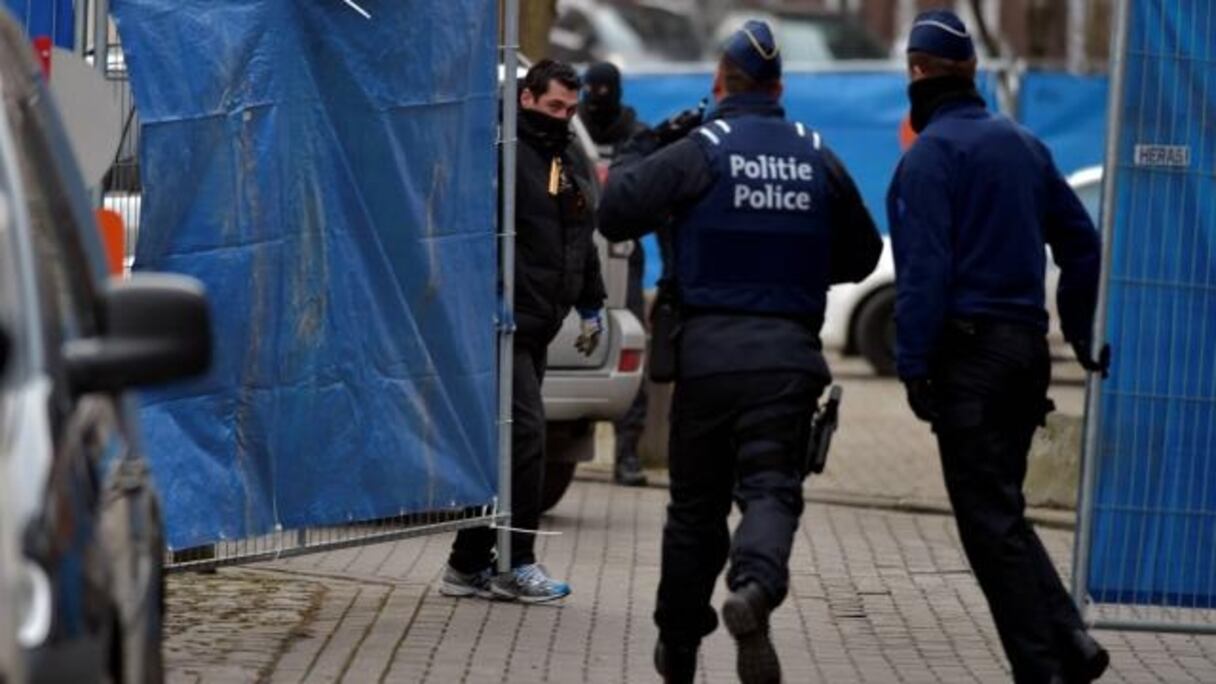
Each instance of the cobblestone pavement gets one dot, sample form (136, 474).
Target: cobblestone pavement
(876, 596)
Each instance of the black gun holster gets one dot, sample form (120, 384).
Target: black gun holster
(664, 334)
(820, 429)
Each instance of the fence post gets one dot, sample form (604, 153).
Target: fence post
(1078, 18)
(506, 335)
(101, 35)
(1093, 385)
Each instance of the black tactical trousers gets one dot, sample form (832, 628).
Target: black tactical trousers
(473, 550)
(737, 436)
(629, 426)
(991, 387)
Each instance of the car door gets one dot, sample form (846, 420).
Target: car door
(15, 604)
(73, 537)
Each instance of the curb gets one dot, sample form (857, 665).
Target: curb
(1049, 518)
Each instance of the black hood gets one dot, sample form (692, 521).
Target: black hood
(616, 130)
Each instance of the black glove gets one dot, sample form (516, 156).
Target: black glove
(680, 125)
(1085, 357)
(922, 398)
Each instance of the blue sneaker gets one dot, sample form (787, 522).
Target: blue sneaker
(457, 583)
(529, 584)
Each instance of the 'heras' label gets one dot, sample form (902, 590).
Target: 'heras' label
(1173, 156)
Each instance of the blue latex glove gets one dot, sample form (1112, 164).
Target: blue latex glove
(591, 328)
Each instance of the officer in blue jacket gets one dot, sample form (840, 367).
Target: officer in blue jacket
(765, 219)
(972, 207)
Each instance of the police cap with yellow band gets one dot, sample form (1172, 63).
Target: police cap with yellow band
(754, 50)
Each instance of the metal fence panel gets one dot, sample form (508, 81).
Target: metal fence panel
(282, 544)
(1147, 553)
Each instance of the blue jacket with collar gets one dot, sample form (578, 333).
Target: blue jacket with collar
(972, 206)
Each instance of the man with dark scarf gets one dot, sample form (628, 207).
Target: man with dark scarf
(556, 268)
(611, 125)
(972, 206)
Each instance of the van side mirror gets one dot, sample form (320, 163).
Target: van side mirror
(156, 328)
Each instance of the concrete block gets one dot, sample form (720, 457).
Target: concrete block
(1054, 468)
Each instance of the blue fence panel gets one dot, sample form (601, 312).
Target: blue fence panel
(331, 179)
(54, 18)
(1154, 508)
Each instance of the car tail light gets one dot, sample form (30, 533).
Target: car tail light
(631, 361)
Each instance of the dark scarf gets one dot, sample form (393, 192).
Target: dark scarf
(548, 134)
(930, 94)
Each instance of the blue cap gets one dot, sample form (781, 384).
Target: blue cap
(753, 49)
(942, 34)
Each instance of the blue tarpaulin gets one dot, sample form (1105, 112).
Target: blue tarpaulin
(331, 179)
(54, 18)
(1154, 508)
(1068, 113)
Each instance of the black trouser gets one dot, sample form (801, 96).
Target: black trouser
(473, 550)
(740, 434)
(630, 426)
(991, 384)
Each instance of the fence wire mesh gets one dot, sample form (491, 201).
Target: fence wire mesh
(121, 187)
(1147, 552)
(298, 542)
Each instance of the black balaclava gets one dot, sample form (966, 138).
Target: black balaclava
(602, 93)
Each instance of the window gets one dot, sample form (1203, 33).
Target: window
(65, 275)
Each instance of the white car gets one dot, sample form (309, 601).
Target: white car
(860, 318)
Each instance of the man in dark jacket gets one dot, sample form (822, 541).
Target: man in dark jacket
(611, 124)
(765, 219)
(556, 268)
(972, 207)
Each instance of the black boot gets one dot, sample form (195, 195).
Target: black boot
(675, 664)
(1084, 658)
(628, 471)
(745, 613)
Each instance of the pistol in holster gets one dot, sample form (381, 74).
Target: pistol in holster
(822, 427)
(664, 334)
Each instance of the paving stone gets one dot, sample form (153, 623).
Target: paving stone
(875, 596)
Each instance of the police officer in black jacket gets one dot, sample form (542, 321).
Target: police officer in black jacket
(611, 124)
(556, 268)
(972, 207)
(765, 219)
